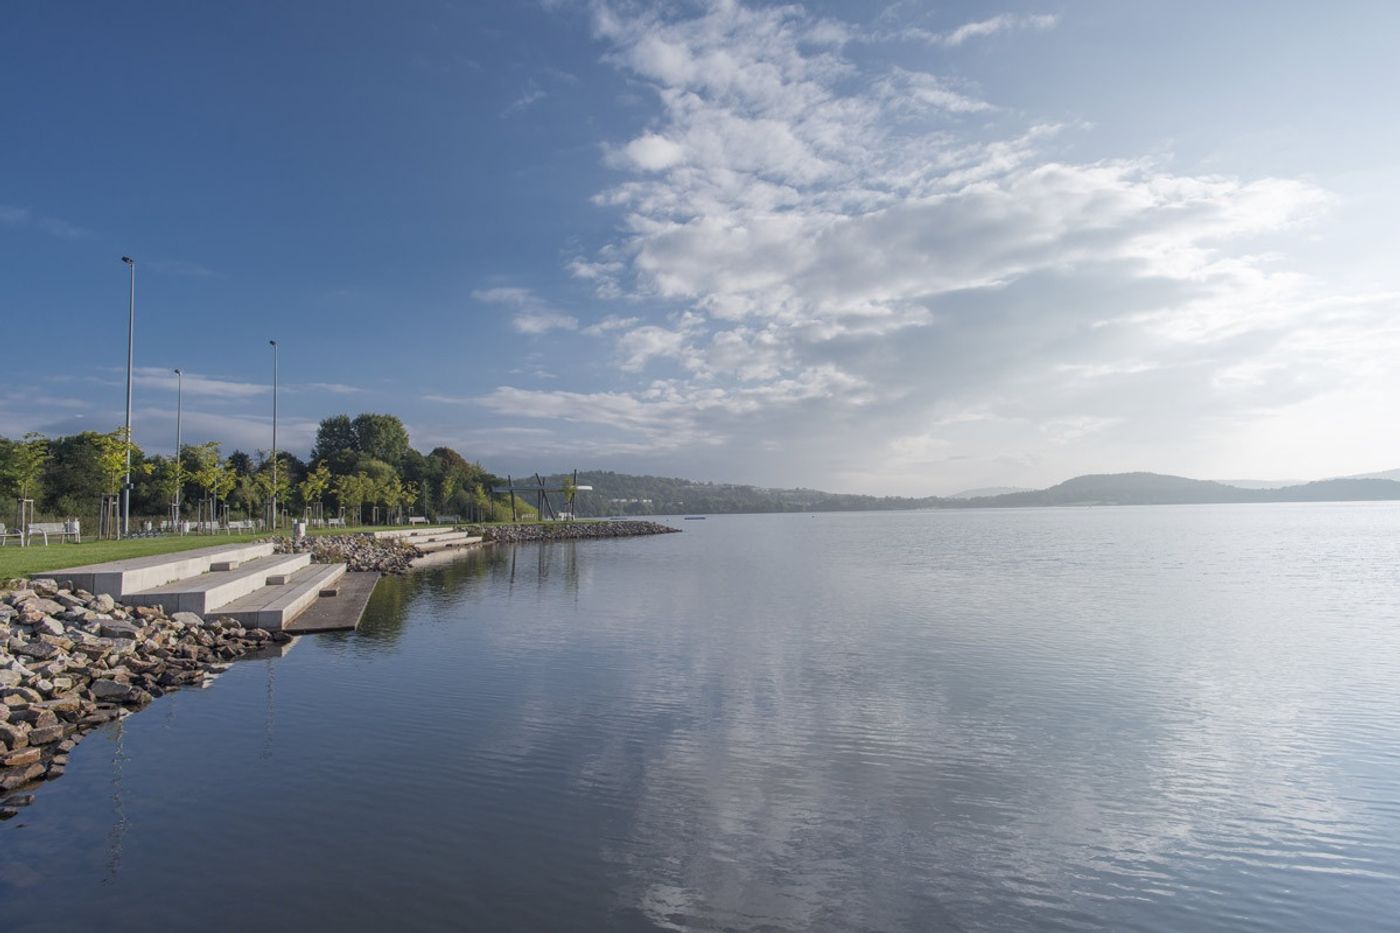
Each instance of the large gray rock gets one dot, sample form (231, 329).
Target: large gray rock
(102, 603)
(10, 778)
(13, 735)
(115, 628)
(49, 626)
(110, 690)
(46, 734)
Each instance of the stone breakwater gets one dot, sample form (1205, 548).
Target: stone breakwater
(360, 553)
(71, 661)
(568, 531)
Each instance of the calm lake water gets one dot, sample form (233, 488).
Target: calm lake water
(1180, 718)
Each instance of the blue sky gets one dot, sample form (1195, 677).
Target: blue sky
(907, 247)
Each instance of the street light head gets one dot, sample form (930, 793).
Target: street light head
(128, 260)
(178, 373)
(272, 343)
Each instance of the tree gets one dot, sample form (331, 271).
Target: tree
(263, 481)
(72, 482)
(240, 463)
(570, 490)
(335, 434)
(170, 477)
(210, 474)
(352, 489)
(24, 464)
(382, 437)
(315, 485)
(114, 451)
(390, 492)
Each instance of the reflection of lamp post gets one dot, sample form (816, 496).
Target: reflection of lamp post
(179, 464)
(130, 337)
(274, 432)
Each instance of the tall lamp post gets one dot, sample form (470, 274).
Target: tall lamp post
(179, 463)
(130, 339)
(273, 344)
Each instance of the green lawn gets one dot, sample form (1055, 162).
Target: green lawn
(16, 561)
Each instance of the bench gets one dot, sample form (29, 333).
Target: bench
(6, 533)
(418, 519)
(449, 519)
(64, 530)
(244, 524)
(335, 523)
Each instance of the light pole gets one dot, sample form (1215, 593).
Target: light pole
(179, 463)
(273, 343)
(130, 338)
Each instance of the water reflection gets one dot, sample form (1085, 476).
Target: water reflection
(1110, 719)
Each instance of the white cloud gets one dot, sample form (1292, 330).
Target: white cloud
(196, 384)
(653, 153)
(530, 95)
(532, 315)
(995, 24)
(19, 217)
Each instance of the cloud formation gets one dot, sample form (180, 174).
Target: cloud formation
(873, 264)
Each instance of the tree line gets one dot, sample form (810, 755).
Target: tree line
(360, 468)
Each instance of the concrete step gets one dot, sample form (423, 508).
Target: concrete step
(410, 532)
(210, 591)
(273, 607)
(428, 547)
(435, 536)
(119, 578)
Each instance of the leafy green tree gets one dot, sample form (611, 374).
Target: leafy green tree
(114, 451)
(390, 493)
(382, 437)
(23, 465)
(313, 487)
(211, 474)
(264, 482)
(170, 477)
(570, 490)
(335, 435)
(351, 490)
(241, 463)
(72, 482)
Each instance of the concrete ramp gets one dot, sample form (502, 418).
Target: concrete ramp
(341, 611)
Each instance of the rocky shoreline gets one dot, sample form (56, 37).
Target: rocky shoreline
(360, 553)
(568, 531)
(71, 661)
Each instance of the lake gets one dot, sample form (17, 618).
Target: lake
(1169, 718)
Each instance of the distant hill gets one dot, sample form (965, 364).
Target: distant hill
(629, 494)
(1159, 489)
(988, 491)
(1262, 483)
(1384, 474)
(1281, 483)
